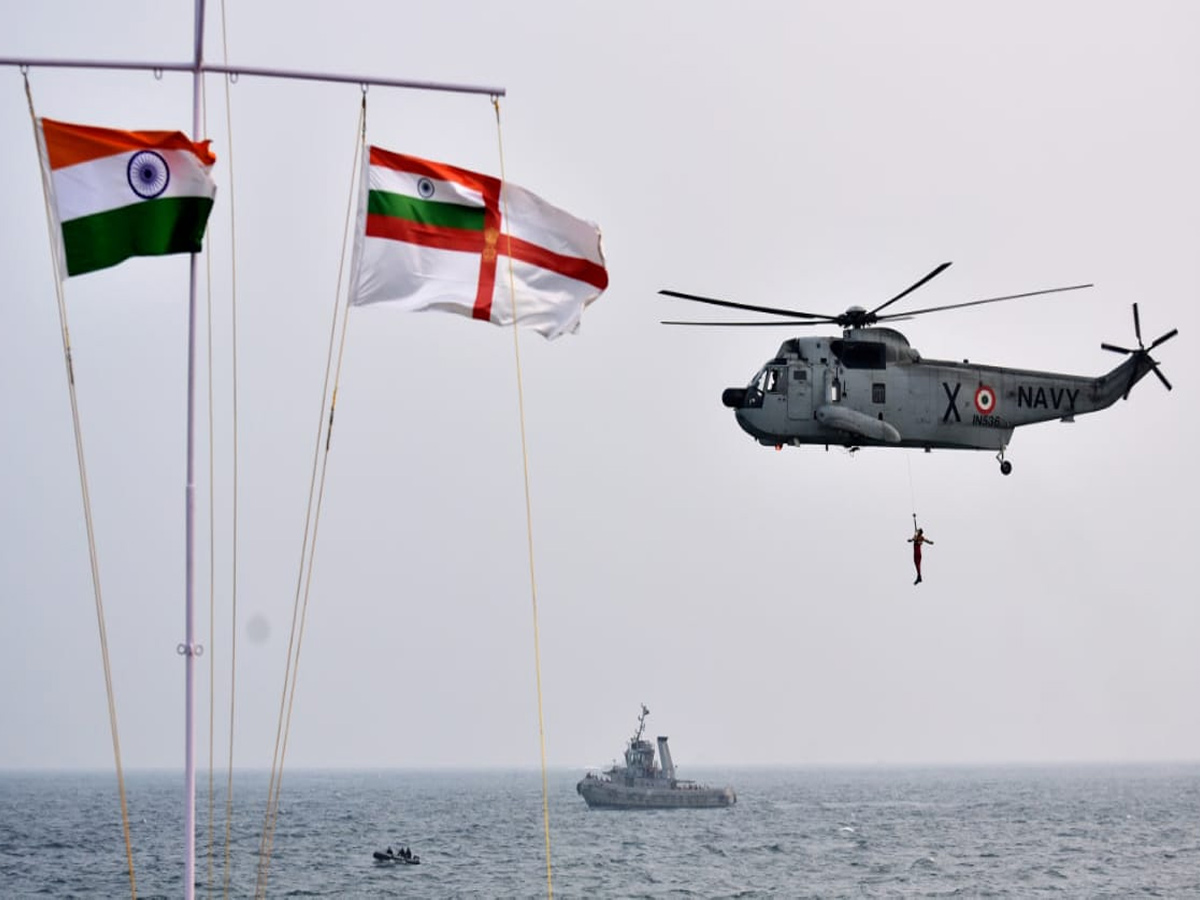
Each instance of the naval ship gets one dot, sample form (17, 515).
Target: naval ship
(642, 784)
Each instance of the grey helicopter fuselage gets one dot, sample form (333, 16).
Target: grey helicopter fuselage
(870, 388)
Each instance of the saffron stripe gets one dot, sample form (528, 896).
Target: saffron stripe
(68, 144)
(425, 212)
(484, 184)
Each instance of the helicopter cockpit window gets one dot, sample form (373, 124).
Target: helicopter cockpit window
(776, 380)
(860, 354)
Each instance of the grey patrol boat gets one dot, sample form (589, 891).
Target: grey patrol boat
(642, 784)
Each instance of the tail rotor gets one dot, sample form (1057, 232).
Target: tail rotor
(1143, 351)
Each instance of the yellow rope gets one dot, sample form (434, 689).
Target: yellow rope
(234, 525)
(83, 483)
(313, 518)
(537, 656)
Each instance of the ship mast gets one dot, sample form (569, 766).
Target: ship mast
(189, 650)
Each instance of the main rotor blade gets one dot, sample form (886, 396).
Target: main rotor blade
(917, 312)
(789, 324)
(1115, 349)
(1163, 379)
(1162, 340)
(908, 290)
(1137, 325)
(731, 305)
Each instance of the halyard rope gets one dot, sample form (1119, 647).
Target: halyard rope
(313, 518)
(537, 660)
(234, 486)
(83, 483)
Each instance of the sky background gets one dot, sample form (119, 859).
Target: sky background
(811, 155)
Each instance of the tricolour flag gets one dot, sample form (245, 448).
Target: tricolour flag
(117, 194)
(433, 236)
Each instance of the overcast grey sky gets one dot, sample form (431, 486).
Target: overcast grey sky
(813, 155)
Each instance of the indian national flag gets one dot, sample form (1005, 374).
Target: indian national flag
(117, 194)
(433, 236)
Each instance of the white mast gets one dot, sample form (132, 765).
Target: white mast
(189, 653)
(190, 649)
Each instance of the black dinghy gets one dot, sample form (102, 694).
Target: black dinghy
(390, 857)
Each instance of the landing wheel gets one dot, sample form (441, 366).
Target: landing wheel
(1005, 465)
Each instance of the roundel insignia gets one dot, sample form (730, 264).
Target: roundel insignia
(425, 187)
(148, 174)
(985, 400)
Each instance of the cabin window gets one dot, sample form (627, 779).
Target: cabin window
(799, 375)
(860, 354)
(879, 393)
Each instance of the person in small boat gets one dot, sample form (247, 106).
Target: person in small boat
(390, 852)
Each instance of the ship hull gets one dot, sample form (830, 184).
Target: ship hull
(609, 795)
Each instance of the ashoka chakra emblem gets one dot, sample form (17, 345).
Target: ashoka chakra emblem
(148, 174)
(425, 187)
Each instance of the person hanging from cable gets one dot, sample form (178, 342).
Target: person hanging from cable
(917, 540)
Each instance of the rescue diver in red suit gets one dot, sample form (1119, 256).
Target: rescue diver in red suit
(917, 540)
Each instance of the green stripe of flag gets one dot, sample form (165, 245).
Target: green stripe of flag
(425, 212)
(149, 228)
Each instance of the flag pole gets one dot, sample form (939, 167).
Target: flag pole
(28, 62)
(190, 649)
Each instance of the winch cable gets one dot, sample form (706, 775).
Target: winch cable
(912, 494)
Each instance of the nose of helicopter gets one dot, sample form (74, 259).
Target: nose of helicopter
(746, 403)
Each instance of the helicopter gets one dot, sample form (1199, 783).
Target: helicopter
(870, 387)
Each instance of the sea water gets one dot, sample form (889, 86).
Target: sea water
(1094, 831)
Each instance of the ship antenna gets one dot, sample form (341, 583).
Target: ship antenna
(641, 723)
